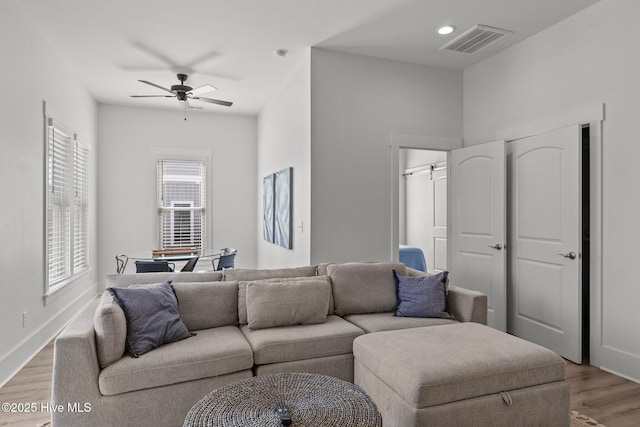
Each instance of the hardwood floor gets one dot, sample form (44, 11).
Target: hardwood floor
(613, 401)
(609, 399)
(31, 385)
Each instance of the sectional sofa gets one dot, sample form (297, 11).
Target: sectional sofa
(241, 330)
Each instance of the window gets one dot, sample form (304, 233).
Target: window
(67, 206)
(181, 204)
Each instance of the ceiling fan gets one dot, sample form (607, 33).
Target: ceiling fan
(185, 93)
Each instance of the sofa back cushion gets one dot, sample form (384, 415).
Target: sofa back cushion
(110, 324)
(321, 269)
(364, 287)
(204, 305)
(279, 273)
(287, 302)
(125, 280)
(242, 292)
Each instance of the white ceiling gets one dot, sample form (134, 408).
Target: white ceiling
(230, 43)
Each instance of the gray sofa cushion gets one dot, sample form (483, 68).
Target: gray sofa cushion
(210, 353)
(321, 269)
(289, 343)
(287, 302)
(364, 287)
(125, 280)
(204, 305)
(242, 295)
(279, 273)
(111, 330)
(376, 322)
(436, 365)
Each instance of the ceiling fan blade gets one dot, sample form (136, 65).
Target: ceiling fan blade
(152, 96)
(155, 85)
(202, 89)
(214, 101)
(191, 107)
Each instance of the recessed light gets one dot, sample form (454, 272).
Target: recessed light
(446, 29)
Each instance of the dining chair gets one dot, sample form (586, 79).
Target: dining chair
(154, 266)
(225, 261)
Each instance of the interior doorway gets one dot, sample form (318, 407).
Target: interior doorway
(423, 208)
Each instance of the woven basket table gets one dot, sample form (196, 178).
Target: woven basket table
(313, 401)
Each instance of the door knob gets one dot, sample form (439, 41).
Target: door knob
(497, 246)
(570, 255)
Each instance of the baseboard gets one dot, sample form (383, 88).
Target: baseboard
(23, 352)
(620, 363)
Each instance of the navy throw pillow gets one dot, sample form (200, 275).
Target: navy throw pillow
(422, 296)
(152, 316)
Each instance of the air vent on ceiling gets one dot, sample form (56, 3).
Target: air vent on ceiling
(478, 37)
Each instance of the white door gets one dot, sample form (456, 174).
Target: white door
(478, 225)
(439, 229)
(545, 290)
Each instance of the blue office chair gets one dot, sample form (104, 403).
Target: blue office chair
(154, 267)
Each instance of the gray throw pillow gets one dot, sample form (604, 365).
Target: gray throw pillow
(422, 296)
(152, 316)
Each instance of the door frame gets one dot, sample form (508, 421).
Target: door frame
(592, 116)
(398, 140)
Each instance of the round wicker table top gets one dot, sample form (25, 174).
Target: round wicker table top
(313, 401)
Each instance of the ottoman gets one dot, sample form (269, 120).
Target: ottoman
(464, 374)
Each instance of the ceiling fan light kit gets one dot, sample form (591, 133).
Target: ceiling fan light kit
(185, 93)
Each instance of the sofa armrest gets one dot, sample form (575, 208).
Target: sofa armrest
(467, 305)
(76, 369)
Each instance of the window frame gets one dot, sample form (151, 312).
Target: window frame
(76, 167)
(183, 154)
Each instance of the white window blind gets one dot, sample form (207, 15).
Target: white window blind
(181, 204)
(80, 208)
(59, 216)
(67, 205)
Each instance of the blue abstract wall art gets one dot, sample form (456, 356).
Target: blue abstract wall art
(276, 204)
(267, 204)
(282, 228)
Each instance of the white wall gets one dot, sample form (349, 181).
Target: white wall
(357, 104)
(588, 59)
(32, 71)
(284, 140)
(127, 173)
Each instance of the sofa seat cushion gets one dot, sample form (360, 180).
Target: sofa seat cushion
(210, 353)
(376, 322)
(289, 343)
(441, 364)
